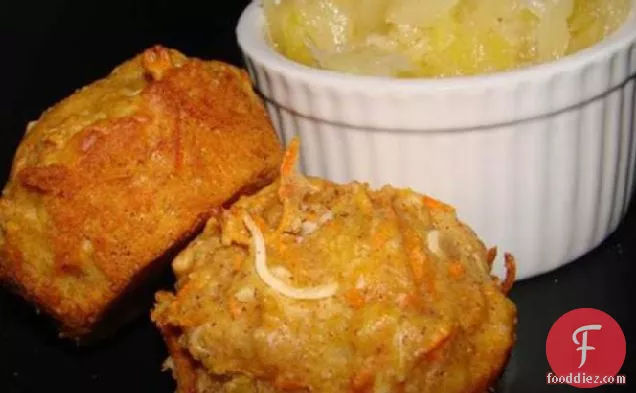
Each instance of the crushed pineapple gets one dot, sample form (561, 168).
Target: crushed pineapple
(437, 38)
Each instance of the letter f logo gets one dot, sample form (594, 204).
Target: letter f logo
(583, 345)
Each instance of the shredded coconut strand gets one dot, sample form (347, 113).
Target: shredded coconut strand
(245, 295)
(168, 364)
(361, 282)
(312, 293)
(194, 341)
(281, 272)
(398, 342)
(480, 264)
(309, 227)
(432, 238)
(328, 216)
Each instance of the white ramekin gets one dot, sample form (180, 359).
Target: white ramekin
(539, 162)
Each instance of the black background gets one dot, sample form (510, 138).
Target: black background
(50, 48)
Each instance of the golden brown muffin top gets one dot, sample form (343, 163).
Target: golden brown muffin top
(110, 178)
(313, 286)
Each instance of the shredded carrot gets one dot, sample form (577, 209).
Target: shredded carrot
(235, 307)
(399, 388)
(280, 245)
(432, 352)
(354, 297)
(363, 380)
(157, 61)
(380, 238)
(291, 156)
(490, 258)
(421, 269)
(411, 299)
(435, 204)
(511, 273)
(286, 189)
(413, 246)
(293, 187)
(262, 225)
(313, 216)
(456, 269)
(444, 335)
(435, 356)
(418, 258)
(238, 263)
(284, 383)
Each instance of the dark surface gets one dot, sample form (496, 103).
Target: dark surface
(50, 48)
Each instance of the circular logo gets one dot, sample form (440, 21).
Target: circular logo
(586, 348)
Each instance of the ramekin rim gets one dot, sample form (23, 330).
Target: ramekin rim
(249, 32)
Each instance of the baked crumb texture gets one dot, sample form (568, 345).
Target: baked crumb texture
(114, 176)
(362, 291)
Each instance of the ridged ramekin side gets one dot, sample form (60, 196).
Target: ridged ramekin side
(547, 189)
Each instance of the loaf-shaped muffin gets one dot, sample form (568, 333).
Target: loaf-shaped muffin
(310, 286)
(125, 170)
